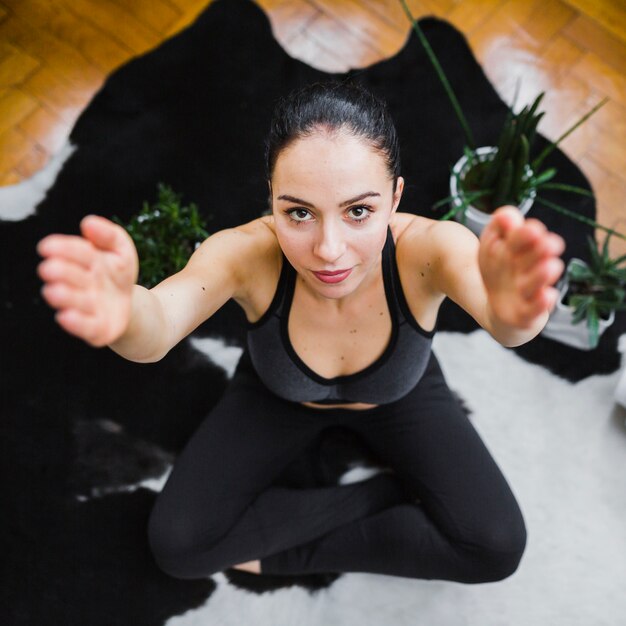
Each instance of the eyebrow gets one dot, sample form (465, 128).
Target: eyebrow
(367, 194)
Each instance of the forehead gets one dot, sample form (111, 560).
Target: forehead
(324, 159)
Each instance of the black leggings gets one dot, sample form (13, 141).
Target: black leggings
(219, 507)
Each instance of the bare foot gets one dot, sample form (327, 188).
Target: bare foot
(250, 566)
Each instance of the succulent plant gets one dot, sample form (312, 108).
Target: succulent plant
(504, 180)
(596, 288)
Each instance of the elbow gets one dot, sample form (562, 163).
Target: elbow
(152, 358)
(512, 344)
(518, 336)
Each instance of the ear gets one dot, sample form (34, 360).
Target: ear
(398, 194)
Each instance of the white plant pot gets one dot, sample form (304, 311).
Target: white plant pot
(475, 219)
(560, 326)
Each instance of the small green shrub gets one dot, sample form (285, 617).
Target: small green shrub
(165, 235)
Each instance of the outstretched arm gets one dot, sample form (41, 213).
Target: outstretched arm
(503, 280)
(91, 278)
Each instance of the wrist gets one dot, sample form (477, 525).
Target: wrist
(510, 335)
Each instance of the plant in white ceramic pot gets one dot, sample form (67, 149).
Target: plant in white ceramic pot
(590, 292)
(488, 177)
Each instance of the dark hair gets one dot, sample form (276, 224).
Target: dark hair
(332, 106)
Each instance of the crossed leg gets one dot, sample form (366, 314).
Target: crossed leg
(466, 527)
(219, 507)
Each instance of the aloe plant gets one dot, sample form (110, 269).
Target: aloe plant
(505, 172)
(504, 180)
(165, 235)
(596, 288)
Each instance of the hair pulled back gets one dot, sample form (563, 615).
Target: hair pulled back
(333, 107)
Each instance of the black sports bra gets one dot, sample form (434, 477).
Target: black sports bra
(387, 379)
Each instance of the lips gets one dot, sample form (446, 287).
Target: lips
(333, 277)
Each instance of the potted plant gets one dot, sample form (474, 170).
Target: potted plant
(589, 292)
(491, 176)
(488, 177)
(165, 235)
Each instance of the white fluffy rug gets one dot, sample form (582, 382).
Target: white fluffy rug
(562, 448)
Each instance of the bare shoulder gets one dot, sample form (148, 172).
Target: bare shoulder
(407, 226)
(430, 248)
(258, 241)
(450, 240)
(241, 251)
(416, 252)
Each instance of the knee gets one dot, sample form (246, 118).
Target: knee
(169, 540)
(499, 554)
(173, 541)
(495, 566)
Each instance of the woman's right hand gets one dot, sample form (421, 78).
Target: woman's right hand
(90, 279)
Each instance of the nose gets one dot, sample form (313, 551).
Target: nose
(330, 245)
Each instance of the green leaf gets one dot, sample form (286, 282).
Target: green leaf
(521, 160)
(535, 104)
(165, 235)
(442, 77)
(503, 185)
(554, 144)
(593, 324)
(544, 176)
(563, 187)
(596, 260)
(532, 130)
(581, 218)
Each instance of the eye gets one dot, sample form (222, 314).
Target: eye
(298, 214)
(361, 212)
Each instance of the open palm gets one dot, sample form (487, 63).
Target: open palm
(519, 261)
(89, 279)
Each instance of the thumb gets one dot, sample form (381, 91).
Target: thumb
(103, 233)
(503, 220)
(506, 218)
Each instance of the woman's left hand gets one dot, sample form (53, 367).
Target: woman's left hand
(519, 260)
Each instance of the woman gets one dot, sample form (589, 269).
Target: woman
(341, 293)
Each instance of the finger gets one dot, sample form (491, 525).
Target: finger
(506, 219)
(103, 233)
(545, 300)
(526, 236)
(69, 247)
(547, 273)
(59, 270)
(62, 296)
(494, 236)
(549, 245)
(77, 323)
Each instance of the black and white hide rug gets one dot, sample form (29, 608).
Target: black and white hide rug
(88, 438)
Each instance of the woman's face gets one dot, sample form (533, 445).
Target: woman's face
(332, 201)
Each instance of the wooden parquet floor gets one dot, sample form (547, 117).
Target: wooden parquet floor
(55, 54)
